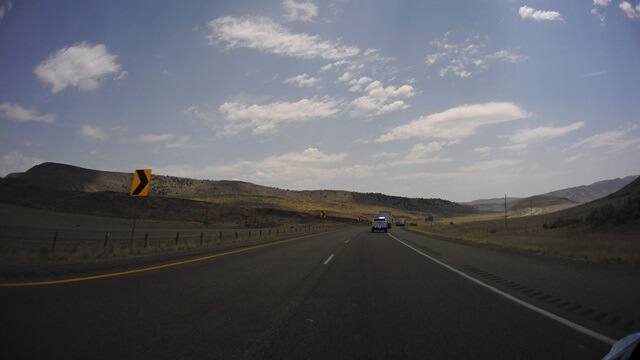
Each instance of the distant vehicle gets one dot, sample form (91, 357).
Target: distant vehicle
(387, 215)
(379, 224)
(400, 221)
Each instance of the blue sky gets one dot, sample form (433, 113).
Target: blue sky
(451, 99)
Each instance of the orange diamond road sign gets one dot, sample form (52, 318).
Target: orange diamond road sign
(141, 182)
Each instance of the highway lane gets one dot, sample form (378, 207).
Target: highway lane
(598, 296)
(350, 294)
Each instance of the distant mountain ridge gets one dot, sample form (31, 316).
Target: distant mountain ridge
(585, 193)
(577, 194)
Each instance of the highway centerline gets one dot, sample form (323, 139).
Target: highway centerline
(545, 313)
(158, 267)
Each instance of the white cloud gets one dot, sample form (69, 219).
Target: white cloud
(154, 138)
(83, 65)
(466, 57)
(508, 56)
(384, 154)
(357, 84)
(484, 150)
(181, 142)
(597, 12)
(379, 99)
(303, 80)
(419, 150)
(309, 155)
(92, 132)
(614, 141)
(601, 2)
(631, 11)
(539, 15)
(303, 11)
(525, 137)
(261, 119)
(266, 35)
(423, 154)
(17, 113)
(15, 162)
(456, 123)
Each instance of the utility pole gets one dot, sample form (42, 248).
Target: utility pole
(505, 212)
(531, 204)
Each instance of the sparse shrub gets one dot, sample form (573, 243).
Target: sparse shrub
(619, 215)
(562, 222)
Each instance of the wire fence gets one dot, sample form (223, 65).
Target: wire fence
(95, 242)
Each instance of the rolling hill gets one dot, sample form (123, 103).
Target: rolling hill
(67, 188)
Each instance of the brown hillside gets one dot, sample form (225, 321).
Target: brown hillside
(73, 178)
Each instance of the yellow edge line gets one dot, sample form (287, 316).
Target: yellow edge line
(103, 276)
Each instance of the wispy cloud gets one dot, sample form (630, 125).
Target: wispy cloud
(484, 150)
(260, 119)
(302, 80)
(456, 123)
(154, 138)
(20, 114)
(92, 132)
(83, 65)
(266, 35)
(467, 57)
(594, 74)
(614, 141)
(525, 137)
(526, 12)
(302, 11)
(5, 8)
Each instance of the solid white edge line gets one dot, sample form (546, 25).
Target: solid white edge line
(546, 313)
(329, 259)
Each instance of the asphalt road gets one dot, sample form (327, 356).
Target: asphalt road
(342, 295)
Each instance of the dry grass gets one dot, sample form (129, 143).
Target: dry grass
(584, 242)
(91, 250)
